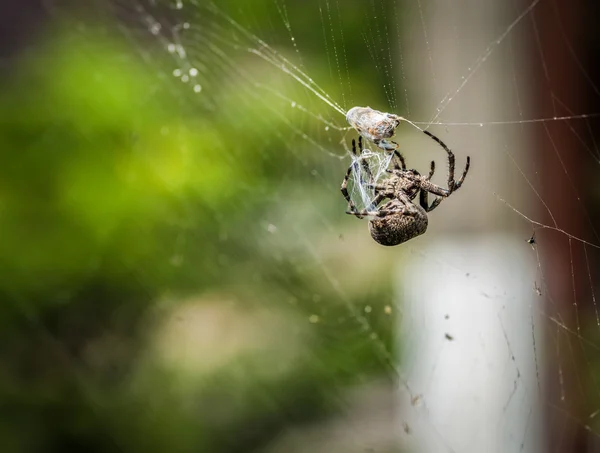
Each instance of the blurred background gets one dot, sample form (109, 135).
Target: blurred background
(177, 272)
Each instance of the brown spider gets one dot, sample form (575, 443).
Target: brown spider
(399, 219)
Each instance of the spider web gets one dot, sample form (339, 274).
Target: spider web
(488, 324)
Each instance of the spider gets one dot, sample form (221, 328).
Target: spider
(374, 125)
(399, 219)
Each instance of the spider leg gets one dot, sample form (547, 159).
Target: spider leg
(423, 199)
(344, 188)
(451, 160)
(462, 178)
(378, 199)
(398, 158)
(435, 204)
(432, 171)
(452, 184)
(363, 213)
(380, 213)
(424, 184)
(409, 207)
(354, 145)
(424, 195)
(411, 174)
(414, 194)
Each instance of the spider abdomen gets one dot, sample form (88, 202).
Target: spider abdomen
(398, 228)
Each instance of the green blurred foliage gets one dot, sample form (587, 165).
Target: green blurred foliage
(121, 204)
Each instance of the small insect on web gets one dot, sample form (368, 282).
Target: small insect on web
(375, 126)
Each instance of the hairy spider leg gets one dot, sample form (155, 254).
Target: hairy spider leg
(433, 188)
(432, 171)
(424, 196)
(399, 157)
(376, 187)
(378, 199)
(435, 204)
(424, 201)
(440, 191)
(381, 213)
(451, 159)
(410, 207)
(344, 188)
(452, 184)
(462, 178)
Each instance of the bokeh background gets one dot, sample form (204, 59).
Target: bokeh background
(154, 295)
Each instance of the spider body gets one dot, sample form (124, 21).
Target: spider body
(395, 229)
(399, 219)
(405, 220)
(374, 125)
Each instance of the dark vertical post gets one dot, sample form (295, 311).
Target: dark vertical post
(562, 88)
